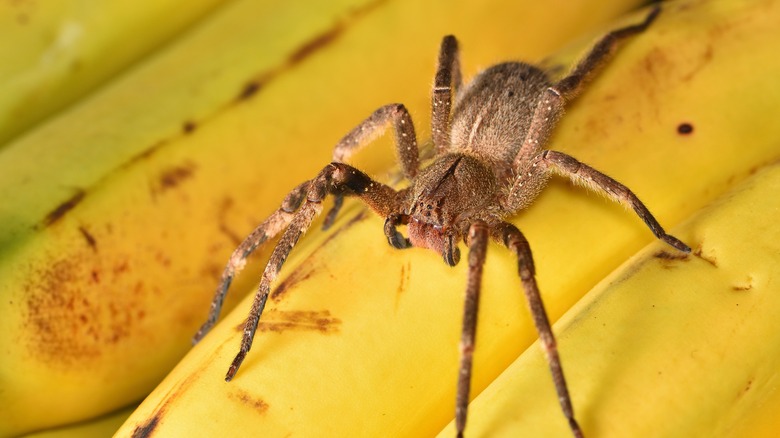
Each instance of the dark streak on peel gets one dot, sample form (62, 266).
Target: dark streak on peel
(299, 275)
(403, 283)
(146, 429)
(89, 238)
(63, 208)
(315, 44)
(363, 214)
(249, 90)
(664, 255)
(307, 49)
(308, 268)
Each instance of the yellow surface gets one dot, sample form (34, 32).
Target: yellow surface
(119, 213)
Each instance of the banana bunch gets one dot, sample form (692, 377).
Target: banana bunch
(359, 339)
(119, 214)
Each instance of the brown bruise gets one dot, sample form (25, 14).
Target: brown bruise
(175, 175)
(247, 399)
(279, 321)
(67, 321)
(189, 126)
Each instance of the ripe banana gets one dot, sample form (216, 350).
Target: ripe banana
(360, 339)
(669, 344)
(119, 213)
(99, 427)
(56, 52)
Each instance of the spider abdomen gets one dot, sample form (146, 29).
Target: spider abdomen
(493, 112)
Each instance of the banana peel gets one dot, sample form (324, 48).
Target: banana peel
(668, 345)
(360, 339)
(119, 213)
(100, 427)
(56, 53)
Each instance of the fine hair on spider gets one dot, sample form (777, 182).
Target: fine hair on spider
(489, 164)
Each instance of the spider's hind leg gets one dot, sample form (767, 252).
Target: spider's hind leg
(553, 100)
(568, 166)
(571, 85)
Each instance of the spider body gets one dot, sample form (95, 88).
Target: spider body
(490, 120)
(490, 163)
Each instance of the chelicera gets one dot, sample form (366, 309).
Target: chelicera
(489, 164)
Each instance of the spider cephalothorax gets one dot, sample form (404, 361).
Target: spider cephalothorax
(489, 164)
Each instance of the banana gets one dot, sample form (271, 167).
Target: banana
(99, 427)
(63, 50)
(119, 213)
(668, 344)
(360, 339)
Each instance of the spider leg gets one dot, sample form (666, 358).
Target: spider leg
(267, 229)
(396, 239)
(446, 84)
(517, 243)
(337, 178)
(368, 130)
(477, 241)
(550, 107)
(571, 85)
(591, 178)
(299, 224)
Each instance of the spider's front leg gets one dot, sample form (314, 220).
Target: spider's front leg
(477, 239)
(368, 130)
(335, 178)
(268, 229)
(517, 243)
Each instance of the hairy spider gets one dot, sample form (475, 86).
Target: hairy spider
(489, 165)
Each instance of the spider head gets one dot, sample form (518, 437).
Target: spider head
(443, 198)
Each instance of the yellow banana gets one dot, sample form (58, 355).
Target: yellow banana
(56, 52)
(668, 345)
(99, 427)
(360, 339)
(119, 214)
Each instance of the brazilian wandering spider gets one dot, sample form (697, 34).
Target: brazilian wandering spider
(489, 164)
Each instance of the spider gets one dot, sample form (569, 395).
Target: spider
(489, 164)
